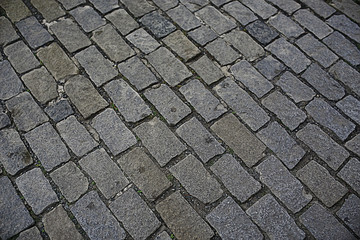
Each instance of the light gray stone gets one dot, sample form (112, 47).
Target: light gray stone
(207, 70)
(288, 6)
(7, 32)
(15, 9)
(87, 18)
(222, 51)
(350, 213)
(350, 173)
(195, 5)
(163, 235)
(241, 13)
(285, 25)
(350, 8)
(142, 40)
(49, 9)
(122, 21)
(346, 26)
(30, 234)
(9, 81)
(69, 4)
(157, 23)
(166, 4)
(347, 75)
(215, 19)
(351, 107)
(184, 18)
(260, 7)
(4, 120)
(21, 57)
(320, 7)
(270, 67)
(181, 45)
(202, 35)
(354, 144)
(59, 110)
(106, 6)
(262, 32)
(138, 7)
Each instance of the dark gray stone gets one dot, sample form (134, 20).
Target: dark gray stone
(320, 7)
(202, 35)
(285, 25)
(49, 9)
(351, 107)
(215, 19)
(240, 12)
(69, 4)
(15, 9)
(288, 6)
(347, 75)
(262, 32)
(4, 120)
(350, 213)
(350, 173)
(138, 7)
(143, 40)
(163, 235)
(184, 18)
(181, 45)
(7, 32)
(350, 8)
(30, 234)
(166, 4)
(207, 70)
(270, 67)
(346, 26)
(9, 81)
(157, 24)
(87, 18)
(21, 57)
(260, 7)
(222, 52)
(59, 111)
(122, 21)
(106, 6)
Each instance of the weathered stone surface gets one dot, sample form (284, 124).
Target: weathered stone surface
(260, 7)
(163, 235)
(207, 70)
(180, 44)
(4, 119)
(138, 7)
(135, 215)
(142, 40)
(96, 219)
(350, 213)
(351, 107)
(21, 57)
(194, 5)
(7, 32)
(285, 25)
(30, 234)
(347, 75)
(346, 26)
(49, 9)
(235, 178)
(350, 173)
(184, 18)
(166, 4)
(59, 111)
(9, 81)
(96, 164)
(262, 32)
(288, 6)
(202, 35)
(87, 18)
(222, 52)
(350, 8)
(113, 131)
(68, 4)
(15, 9)
(354, 145)
(122, 21)
(270, 67)
(182, 219)
(320, 7)
(240, 12)
(144, 173)
(106, 6)
(157, 24)
(215, 19)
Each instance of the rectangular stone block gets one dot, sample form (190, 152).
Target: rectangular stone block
(350, 8)
(166, 4)
(222, 51)
(122, 21)
(202, 35)
(215, 19)
(106, 6)
(180, 44)
(157, 23)
(285, 25)
(207, 70)
(320, 7)
(350, 106)
(9, 81)
(15, 9)
(143, 40)
(344, 73)
(49, 9)
(87, 18)
(286, 5)
(21, 57)
(260, 7)
(270, 67)
(138, 7)
(241, 13)
(69, 4)
(346, 26)
(261, 32)
(350, 213)
(184, 18)
(7, 32)
(350, 173)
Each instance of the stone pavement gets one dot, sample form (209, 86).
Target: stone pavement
(179, 119)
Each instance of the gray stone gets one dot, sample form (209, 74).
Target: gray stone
(47, 146)
(171, 69)
(159, 140)
(30, 234)
(41, 84)
(320, 7)
(13, 153)
(204, 102)
(289, 54)
(184, 18)
(49, 9)
(207, 70)
(4, 120)
(235, 178)
(239, 139)
(59, 111)
(116, 136)
(351, 107)
(163, 235)
(218, 3)
(69, 4)
(96, 164)
(138, 7)
(194, 5)
(270, 67)
(21, 57)
(137, 73)
(87, 18)
(106, 6)
(112, 44)
(241, 13)
(144, 173)
(76, 136)
(346, 26)
(288, 6)
(260, 7)
(36, 189)
(166, 4)
(262, 32)
(25, 112)
(168, 104)
(222, 52)
(136, 216)
(347, 75)
(181, 45)
(354, 145)
(350, 8)
(14, 217)
(58, 225)
(122, 21)
(71, 181)
(285, 25)
(15, 9)
(200, 139)
(142, 40)
(96, 220)
(215, 19)
(84, 96)
(69, 34)
(202, 35)
(244, 72)
(243, 105)
(182, 219)
(33, 32)
(157, 24)
(9, 81)
(274, 220)
(7, 32)
(128, 101)
(350, 213)
(350, 173)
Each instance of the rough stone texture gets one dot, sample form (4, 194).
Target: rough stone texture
(182, 219)
(241, 13)
(270, 67)
(351, 107)
(9, 81)
(106, 6)
(7, 32)
(350, 173)
(30, 234)
(138, 7)
(202, 35)
(354, 144)
(159, 140)
(122, 21)
(222, 52)
(180, 44)
(350, 8)
(239, 139)
(69, 4)
(235, 178)
(47, 146)
(207, 70)
(143, 40)
(320, 7)
(36, 189)
(163, 235)
(215, 19)
(21, 57)
(347, 75)
(144, 173)
(4, 119)
(49, 9)
(116, 136)
(184, 18)
(288, 6)
(59, 110)
(135, 215)
(285, 25)
(262, 32)
(87, 18)
(350, 213)
(15, 9)
(96, 219)
(166, 4)
(346, 26)
(260, 7)
(157, 24)
(194, 5)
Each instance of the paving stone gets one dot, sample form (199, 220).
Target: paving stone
(222, 52)
(49, 9)
(9, 81)
(21, 57)
(350, 8)
(7, 32)
(231, 222)
(47, 146)
(15, 9)
(30, 234)
(159, 140)
(142, 40)
(202, 35)
(128, 101)
(235, 178)
(354, 145)
(69, 34)
(289, 54)
(144, 173)
(283, 184)
(41, 84)
(215, 19)
(285, 25)
(320, 7)
(25, 112)
(194, 5)
(309, 21)
(182, 219)
(207, 70)
(350, 173)
(323, 225)
(239, 139)
(321, 183)
(350, 213)
(180, 44)
(244, 72)
(163, 235)
(137, 73)
(70, 180)
(76, 136)
(59, 111)
(138, 7)
(113, 131)
(346, 26)
(317, 50)
(166, 4)
(343, 72)
(13, 153)
(122, 21)
(157, 24)
(36, 189)
(241, 13)
(286, 5)
(204, 102)
(57, 62)
(284, 109)
(241, 102)
(327, 116)
(260, 7)
(58, 225)
(96, 164)
(33, 32)
(245, 44)
(136, 216)
(105, 7)
(270, 67)
(171, 69)
(14, 217)
(262, 32)
(69, 4)
(4, 120)
(184, 18)
(84, 96)
(96, 219)
(274, 220)
(87, 18)
(112, 44)
(200, 139)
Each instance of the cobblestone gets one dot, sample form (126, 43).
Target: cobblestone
(87, 18)
(350, 174)
(286, 26)
(347, 75)
(215, 19)
(122, 21)
(15, 9)
(21, 57)
(346, 26)
(69, 4)
(194, 5)
(157, 24)
(166, 4)
(184, 18)
(32, 233)
(207, 70)
(320, 7)
(203, 35)
(350, 106)
(105, 7)
(260, 7)
(142, 40)
(180, 44)
(350, 8)
(286, 5)
(7, 33)
(270, 67)
(10, 82)
(350, 213)
(240, 12)
(138, 7)
(262, 32)
(50, 9)
(222, 52)
(59, 111)
(353, 145)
